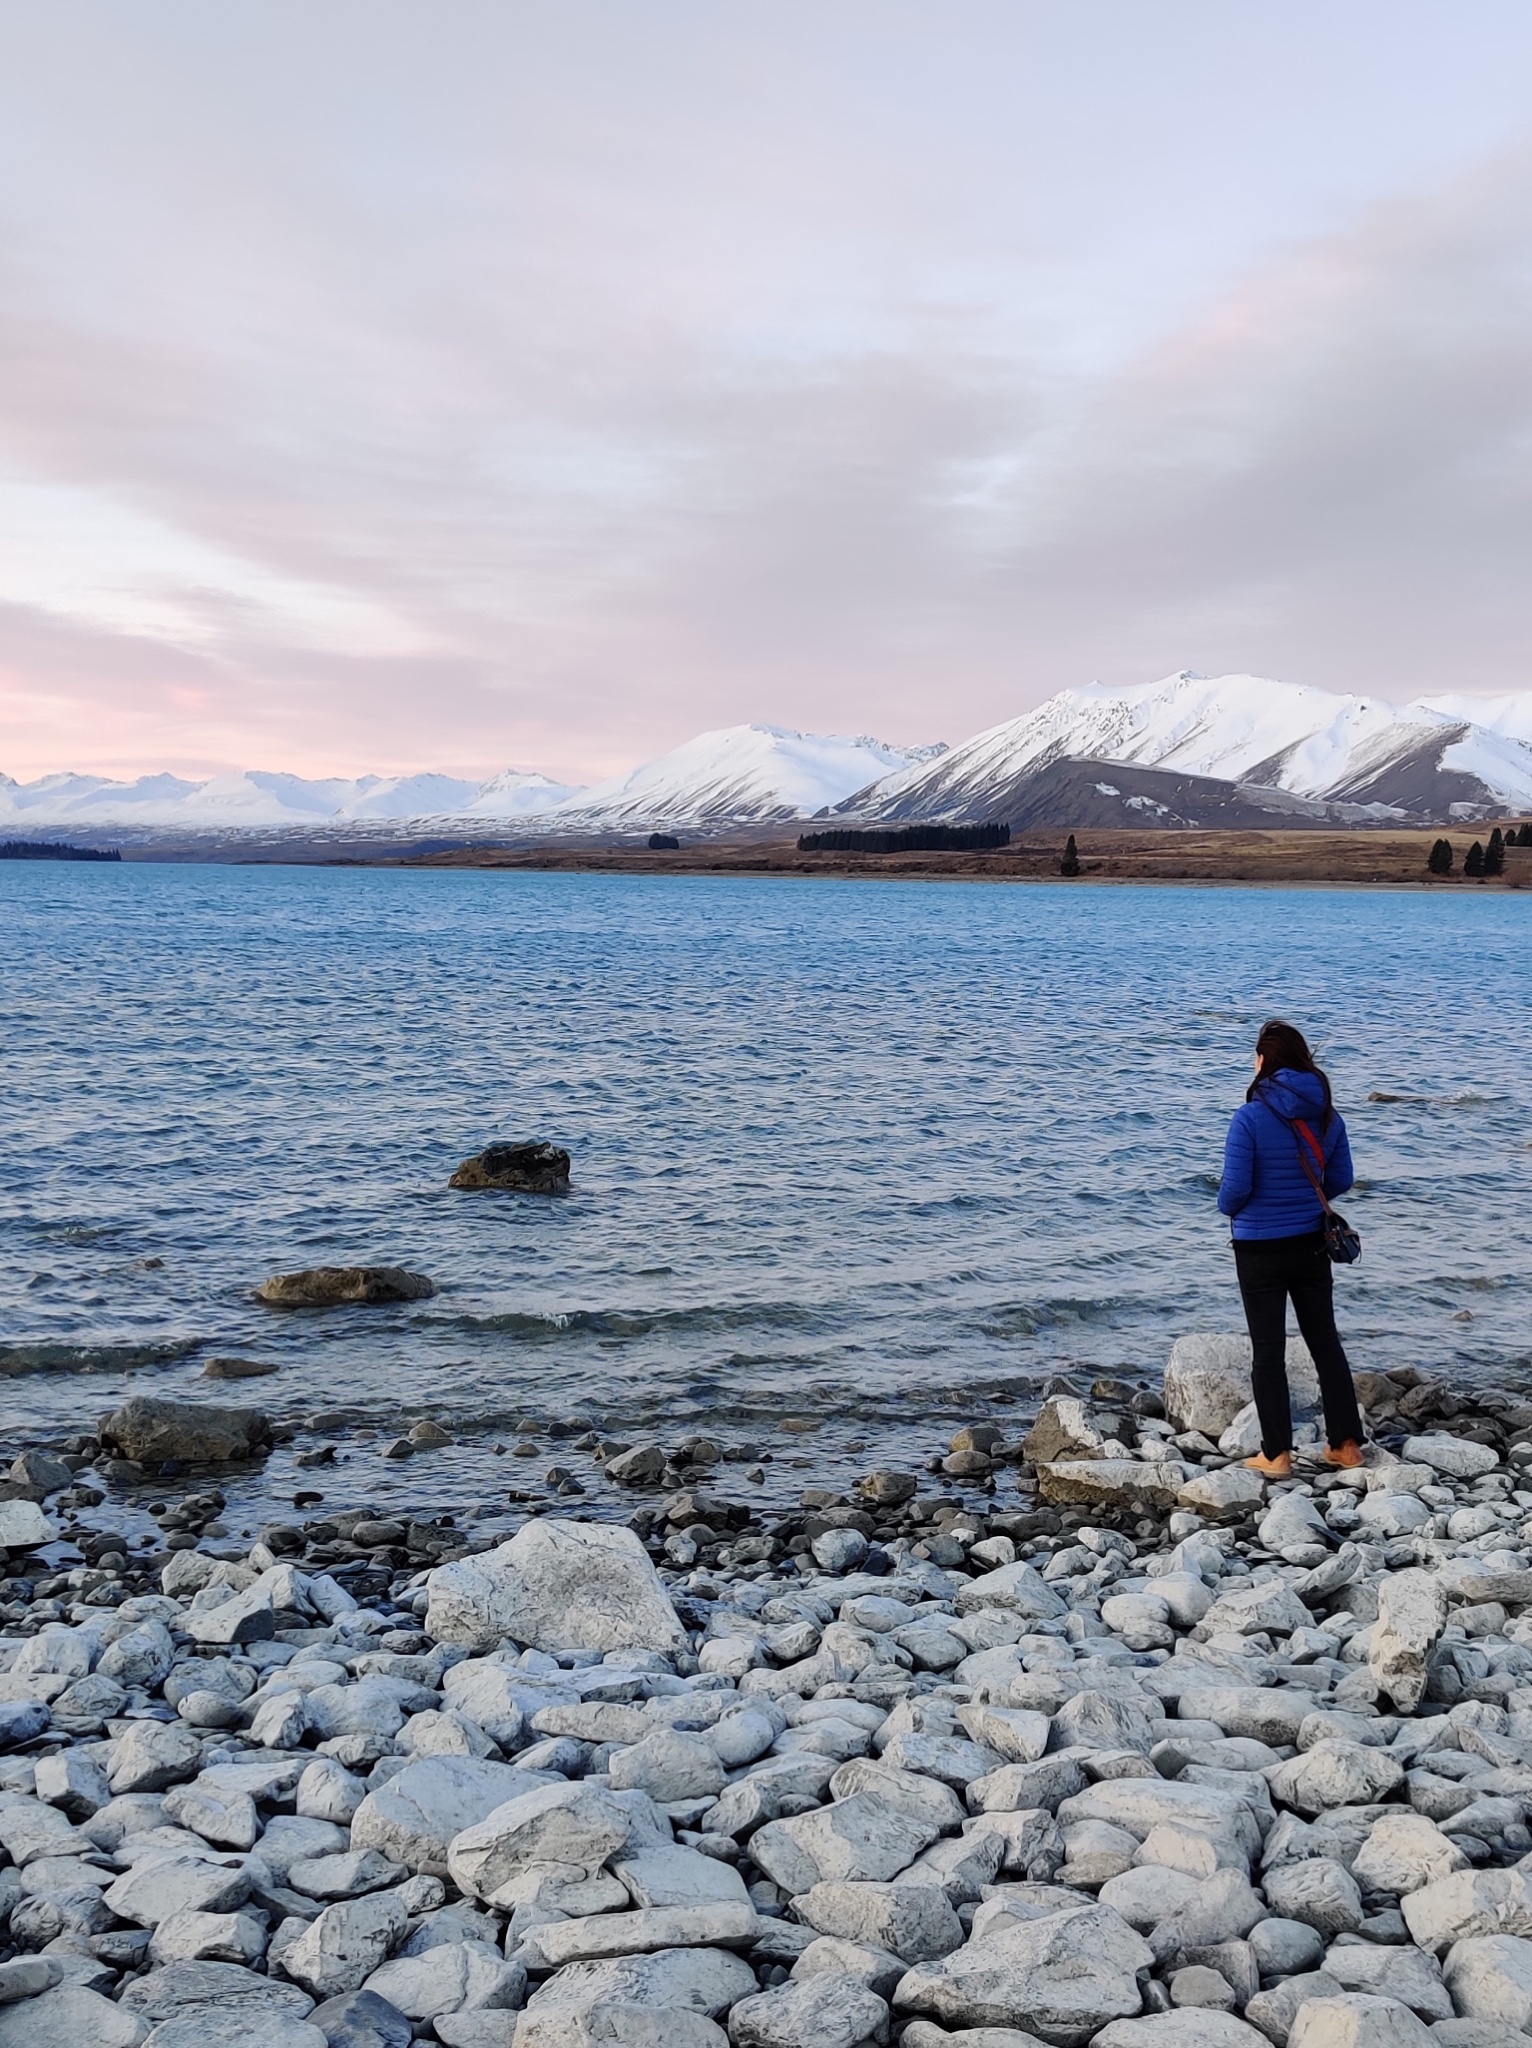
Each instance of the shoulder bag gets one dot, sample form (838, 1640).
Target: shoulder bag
(1343, 1243)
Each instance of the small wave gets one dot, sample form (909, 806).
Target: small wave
(711, 1320)
(1019, 1319)
(78, 1233)
(17, 1359)
(961, 1199)
(1031, 1318)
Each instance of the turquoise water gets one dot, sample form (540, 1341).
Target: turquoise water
(877, 1155)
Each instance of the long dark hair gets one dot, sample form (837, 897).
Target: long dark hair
(1280, 1045)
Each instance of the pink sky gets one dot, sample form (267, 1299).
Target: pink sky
(384, 389)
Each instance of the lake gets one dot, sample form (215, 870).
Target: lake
(870, 1157)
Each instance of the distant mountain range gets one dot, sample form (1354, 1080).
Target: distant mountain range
(1260, 743)
(1186, 750)
(252, 799)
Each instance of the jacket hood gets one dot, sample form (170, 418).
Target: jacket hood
(1292, 1094)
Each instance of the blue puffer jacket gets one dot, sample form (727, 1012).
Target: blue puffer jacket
(1264, 1187)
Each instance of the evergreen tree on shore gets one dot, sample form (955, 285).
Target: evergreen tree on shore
(1070, 864)
(1524, 836)
(1440, 860)
(1494, 853)
(1473, 863)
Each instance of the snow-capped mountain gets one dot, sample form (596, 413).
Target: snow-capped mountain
(742, 774)
(250, 800)
(512, 794)
(1274, 750)
(1419, 758)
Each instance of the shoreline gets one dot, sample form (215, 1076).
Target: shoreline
(893, 1762)
(1308, 858)
(1363, 857)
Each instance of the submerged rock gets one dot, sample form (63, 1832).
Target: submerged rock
(888, 1488)
(238, 1369)
(527, 1168)
(339, 1286)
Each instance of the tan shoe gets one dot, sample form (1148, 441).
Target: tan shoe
(1348, 1456)
(1279, 1467)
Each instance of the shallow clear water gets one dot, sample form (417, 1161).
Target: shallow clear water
(877, 1155)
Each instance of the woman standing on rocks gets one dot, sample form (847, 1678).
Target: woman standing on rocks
(1272, 1199)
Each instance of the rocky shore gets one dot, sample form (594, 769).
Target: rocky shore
(1159, 1758)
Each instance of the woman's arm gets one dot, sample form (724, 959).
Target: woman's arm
(1238, 1183)
(1338, 1171)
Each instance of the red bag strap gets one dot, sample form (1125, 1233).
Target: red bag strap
(1306, 1137)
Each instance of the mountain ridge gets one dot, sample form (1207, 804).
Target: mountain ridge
(1243, 743)
(1241, 731)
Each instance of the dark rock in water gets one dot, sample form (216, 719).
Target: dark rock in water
(150, 1432)
(36, 1474)
(336, 1286)
(1117, 1392)
(888, 1489)
(642, 1466)
(977, 1436)
(237, 1369)
(528, 1169)
(967, 1465)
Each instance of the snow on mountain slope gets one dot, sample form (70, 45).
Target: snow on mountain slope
(168, 800)
(406, 796)
(1510, 716)
(1247, 729)
(742, 774)
(253, 800)
(511, 794)
(1500, 762)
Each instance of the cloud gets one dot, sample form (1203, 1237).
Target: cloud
(1325, 476)
(377, 452)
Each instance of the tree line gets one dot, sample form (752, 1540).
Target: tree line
(40, 849)
(909, 839)
(1480, 860)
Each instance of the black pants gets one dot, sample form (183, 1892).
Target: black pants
(1270, 1269)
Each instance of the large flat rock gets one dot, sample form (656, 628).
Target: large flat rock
(1062, 1978)
(414, 1816)
(150, 1431)
(556, 1586)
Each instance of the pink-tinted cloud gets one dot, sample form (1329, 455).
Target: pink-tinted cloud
(546, 389)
